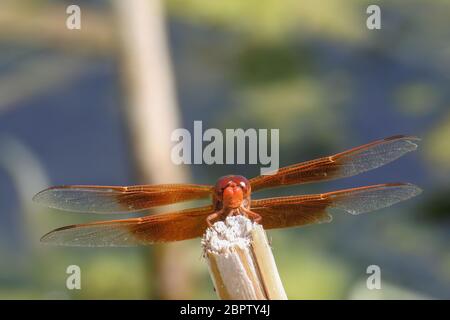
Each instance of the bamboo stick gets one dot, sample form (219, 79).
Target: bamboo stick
(240, 261)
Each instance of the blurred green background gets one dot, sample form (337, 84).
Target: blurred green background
(309, 68)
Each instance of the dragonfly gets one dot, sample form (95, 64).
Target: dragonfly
(231, 195)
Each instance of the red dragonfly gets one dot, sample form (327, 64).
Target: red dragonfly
(230, 196)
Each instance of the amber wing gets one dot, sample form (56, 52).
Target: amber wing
(291, 211)
(345, 164)
(116, 199)
(181, 225)
(281, 212)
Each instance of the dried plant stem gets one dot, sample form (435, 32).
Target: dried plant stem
(240, 261)
(152, 115)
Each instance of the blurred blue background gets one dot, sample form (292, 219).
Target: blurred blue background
(311, 69)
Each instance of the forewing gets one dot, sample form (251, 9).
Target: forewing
(345, 164)
(116, 199)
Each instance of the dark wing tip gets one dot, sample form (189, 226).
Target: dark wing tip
(414, 190)
(40, 196)
(371, 198)
(410, 143)
(403, 137)
(48, 237)
(69, 237)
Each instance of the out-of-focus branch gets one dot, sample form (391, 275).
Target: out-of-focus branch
(152, 116)
(28, 177)
(46, 25)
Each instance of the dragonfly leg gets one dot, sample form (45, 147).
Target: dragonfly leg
(235, 212)
(212, 217)
(252, 215)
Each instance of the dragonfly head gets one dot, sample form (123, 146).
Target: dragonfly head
(232, 192)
